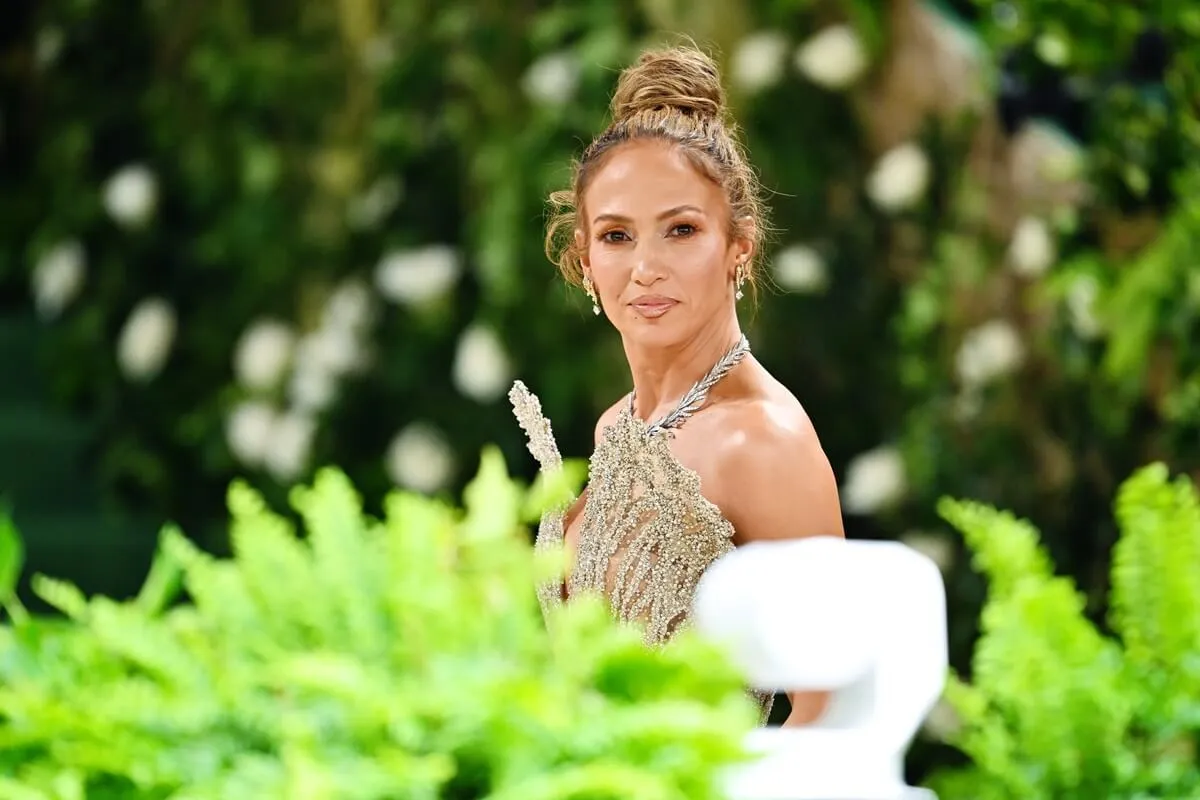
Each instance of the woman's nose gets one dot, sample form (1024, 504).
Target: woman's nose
(647, 267)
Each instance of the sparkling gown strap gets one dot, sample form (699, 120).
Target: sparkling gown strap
(528, 411)
(550, 533)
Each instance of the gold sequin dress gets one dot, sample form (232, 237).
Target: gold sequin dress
(647, 532)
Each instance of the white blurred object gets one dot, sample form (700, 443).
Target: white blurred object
(147, 339)
(937, 547)
(289, 445)
(248, 431)
(349, 307)
(801, 269)
(899, 178)
(369, 209)
(48, 47)
(418, 276)
(833, 58)
(312, 388)
(759, 61)
(865, 621)
(131, 195)
(263, 353)
(553, 79)
(333, 350)
(57, 277)
(482, 369)
(989, 351)
(874, 481)
(1032, 250)
(1081, 307)
(420, 458)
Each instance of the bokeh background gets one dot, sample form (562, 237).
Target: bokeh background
(251, 238)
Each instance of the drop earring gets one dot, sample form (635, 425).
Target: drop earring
(591, 293)
(739, 277)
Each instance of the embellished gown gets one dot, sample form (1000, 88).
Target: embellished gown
(647, 534)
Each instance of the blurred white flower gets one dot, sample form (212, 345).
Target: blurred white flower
(937, 547)
(420, 458)
(900, 177)
(146, 339)
(47, 47)
(248, 431)
(942, 722)
(875, 480)
(312, 388)
(1047, 166)
(331, 349)
(413, 277)
(348, 307)
(130, 195)
(800, 268)
(370, 208)
(262, 354)
(833, 58)
(58, 277)
(1032, 249)
(289, 446)
(987, 352)
(1081, 307)
(481, 370)
(759, 61)
(552, 79)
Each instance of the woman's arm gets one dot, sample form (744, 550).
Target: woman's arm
(776, 483)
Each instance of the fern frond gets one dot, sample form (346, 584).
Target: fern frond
(252, 690)
(62, 595)
(277, 572)
(165, 578)
(351, 578)
(1005, 549)
(1049, 710)
(1155, 603)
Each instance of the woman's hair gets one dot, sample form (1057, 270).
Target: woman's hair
(673, 95)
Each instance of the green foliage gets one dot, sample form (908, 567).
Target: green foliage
(299, 149)
(1057, 709)
(370, 658)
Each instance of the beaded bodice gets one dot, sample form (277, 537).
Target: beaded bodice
(647, 533)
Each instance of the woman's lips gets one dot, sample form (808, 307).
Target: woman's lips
(652, 307)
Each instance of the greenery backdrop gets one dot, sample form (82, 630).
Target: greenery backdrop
(244, 238)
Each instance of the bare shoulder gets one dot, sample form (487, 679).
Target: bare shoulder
(775, 481)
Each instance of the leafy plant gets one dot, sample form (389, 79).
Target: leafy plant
(1057, 708)
(402, 657)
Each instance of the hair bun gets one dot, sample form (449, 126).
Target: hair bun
(680, 78)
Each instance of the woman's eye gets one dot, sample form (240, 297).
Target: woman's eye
(684, 229)
(613, 236)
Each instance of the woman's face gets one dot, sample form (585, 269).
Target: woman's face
(657, 249)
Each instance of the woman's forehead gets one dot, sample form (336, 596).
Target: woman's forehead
(650, 178)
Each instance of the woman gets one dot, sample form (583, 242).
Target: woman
(661, 230)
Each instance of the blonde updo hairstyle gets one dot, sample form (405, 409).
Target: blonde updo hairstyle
(673, 95)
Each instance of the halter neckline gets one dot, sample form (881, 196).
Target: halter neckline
(695, 398)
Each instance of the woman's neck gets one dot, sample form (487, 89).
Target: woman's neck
(661, 375)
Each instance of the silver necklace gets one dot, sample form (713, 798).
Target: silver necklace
(694, 398)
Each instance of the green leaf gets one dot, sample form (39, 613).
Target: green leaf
(165, 580)
(12, 556)
(553, 491)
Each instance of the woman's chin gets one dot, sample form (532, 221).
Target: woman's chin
(653, 333)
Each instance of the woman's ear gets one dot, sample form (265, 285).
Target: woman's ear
(581, 248)
(743, 244)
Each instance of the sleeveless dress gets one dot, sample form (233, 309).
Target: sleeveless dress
(647, 533)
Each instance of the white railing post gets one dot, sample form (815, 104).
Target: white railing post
(865, 621)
